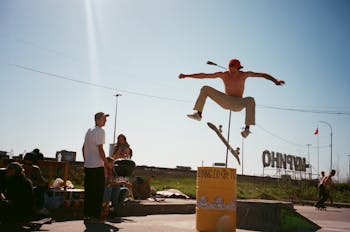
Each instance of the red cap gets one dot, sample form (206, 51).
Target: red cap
(235, 63)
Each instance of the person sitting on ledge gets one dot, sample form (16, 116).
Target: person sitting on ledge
(40, 185)
(116, 191)
(122, 148)
(16, 200)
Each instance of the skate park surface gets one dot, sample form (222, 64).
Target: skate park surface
(179, 215)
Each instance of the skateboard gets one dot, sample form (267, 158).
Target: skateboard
(36, 225)
(321, 208)
(235, 152)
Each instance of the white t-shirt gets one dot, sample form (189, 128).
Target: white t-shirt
(94, 137)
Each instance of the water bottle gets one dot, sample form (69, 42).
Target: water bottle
(11, 153)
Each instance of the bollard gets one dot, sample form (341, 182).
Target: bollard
(216, 199)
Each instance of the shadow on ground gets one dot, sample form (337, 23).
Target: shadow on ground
(105, 227)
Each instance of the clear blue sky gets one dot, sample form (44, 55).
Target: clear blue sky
(138, 48)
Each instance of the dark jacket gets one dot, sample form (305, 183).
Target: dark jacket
(19, 195)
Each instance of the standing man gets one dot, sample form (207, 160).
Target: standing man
(232, 99)
(94, 161)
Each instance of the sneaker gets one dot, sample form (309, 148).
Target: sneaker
(245, 133)
(195, 116)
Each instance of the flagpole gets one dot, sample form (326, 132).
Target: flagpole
(318, 152)
(318, 155)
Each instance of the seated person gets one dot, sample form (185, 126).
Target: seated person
(16, 200)
(122, 149)
(40, 185)
(116, 191)
(2, 178)
(37, 154)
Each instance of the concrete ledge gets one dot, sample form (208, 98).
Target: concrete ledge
(259, 215)
(266, 215)
(149, 207)
(133, 208)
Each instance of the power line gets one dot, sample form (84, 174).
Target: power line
(33, 44)
(305, 110)
(98, 85)
(285, 140)
(168, 98)
(75, 59)
(279, 137)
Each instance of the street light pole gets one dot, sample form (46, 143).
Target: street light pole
(229, 120)
(331, 143)
(242, 154)
(115, 118)
(349, 167)
(228, 137)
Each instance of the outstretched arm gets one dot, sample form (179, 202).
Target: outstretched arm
(202, 75)
(266, 76)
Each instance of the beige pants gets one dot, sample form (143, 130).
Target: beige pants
(227, 102)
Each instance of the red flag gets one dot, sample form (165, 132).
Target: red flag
(316, 131)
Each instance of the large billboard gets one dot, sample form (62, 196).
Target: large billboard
(280, 160)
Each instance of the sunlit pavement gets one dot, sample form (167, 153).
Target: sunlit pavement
(154, 223)
(333, 219)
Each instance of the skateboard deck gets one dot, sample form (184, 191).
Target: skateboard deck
(235, 152)
(322, 208)
(36, 225)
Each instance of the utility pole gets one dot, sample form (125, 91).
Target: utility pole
(308, 157)
(242, 154)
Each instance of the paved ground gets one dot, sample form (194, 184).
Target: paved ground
(154, 223)
(334, 219)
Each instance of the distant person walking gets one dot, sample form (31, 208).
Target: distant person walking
(327, 183)
(320, 185)
(94, 161)
(232, 99)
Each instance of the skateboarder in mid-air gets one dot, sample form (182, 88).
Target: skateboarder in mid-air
(232, 99)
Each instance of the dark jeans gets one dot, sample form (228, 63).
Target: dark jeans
(39, 197)
(11, 213)
(94, 182)
(116, 194)
(324, 193)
